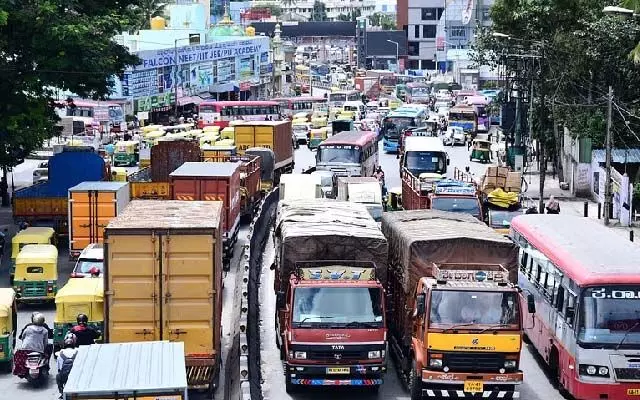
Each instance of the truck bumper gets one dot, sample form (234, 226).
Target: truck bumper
(437, 384)
(318, 375)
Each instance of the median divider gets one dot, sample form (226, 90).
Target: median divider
(250, 371)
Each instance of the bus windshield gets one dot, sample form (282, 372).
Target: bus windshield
(337, 306)
(419, 91)
(341, 97)
(461, 116)
(341, 153)
(610, 317)
(453, 307)
(419, 162)
(393, 126)
(468, 205)
(207, 108)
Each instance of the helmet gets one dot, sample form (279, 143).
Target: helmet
(94, 271)
(82, 319)
(70, 340)
(37, 318)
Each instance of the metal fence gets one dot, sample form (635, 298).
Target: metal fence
(250, 371)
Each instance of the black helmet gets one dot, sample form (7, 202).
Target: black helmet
(82, 319)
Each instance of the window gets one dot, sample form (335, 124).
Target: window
(570, 310)
(34, 270)
(432, 14)
(428, 64)
(560, 300)
(428, 31)
(486, 14)
(458, 31)
(416, 31)
(413, 49)
(413, 64)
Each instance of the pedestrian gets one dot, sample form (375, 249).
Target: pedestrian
(64, 361)
(553, 207)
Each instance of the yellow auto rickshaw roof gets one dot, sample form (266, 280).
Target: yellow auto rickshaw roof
(211, 128)
(81, 289)
(33, 235)
(38, 252)
(127, 143)
(7, 296)
(224, 142)
(119, 170)
(299, 121)
(150, 128)
(155, 134)
(302, 114)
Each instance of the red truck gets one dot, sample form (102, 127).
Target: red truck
(330, 270)
(213, 181)
(369, 86)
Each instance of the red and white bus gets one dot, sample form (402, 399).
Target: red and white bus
(220, 113)
(585, 279)
(290, 106)
(349, 153)
(100, 112)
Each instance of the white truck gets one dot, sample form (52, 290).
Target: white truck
(364, 190)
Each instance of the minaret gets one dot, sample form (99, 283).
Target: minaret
(278, 59)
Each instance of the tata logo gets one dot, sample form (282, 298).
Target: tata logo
(337, 356)
(337, 347)
(475, 341)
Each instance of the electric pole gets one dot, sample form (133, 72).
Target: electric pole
(607, 143)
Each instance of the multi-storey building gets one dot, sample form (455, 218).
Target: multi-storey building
(334, 8)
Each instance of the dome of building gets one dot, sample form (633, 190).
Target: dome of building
(158, 23)
(224, 28)
(250, 31)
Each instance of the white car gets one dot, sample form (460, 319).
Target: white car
(453, 136)
(300, 132)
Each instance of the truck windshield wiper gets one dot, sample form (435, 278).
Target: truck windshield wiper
(358, 324)
(627, 334)
(459, 325)
(494, 326)
(306, 318)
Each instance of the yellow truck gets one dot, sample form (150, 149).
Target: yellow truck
(163, 280)
(273, 135)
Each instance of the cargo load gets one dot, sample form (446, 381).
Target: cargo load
(163, 280)
(274, 135)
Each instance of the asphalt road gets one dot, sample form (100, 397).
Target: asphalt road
(536, 386)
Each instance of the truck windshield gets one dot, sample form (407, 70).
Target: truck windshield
(339, 154)
(610, 317)
(454, 307)
(467, 205)
(419, 162)
(337, 306)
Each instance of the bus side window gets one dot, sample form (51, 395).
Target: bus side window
(570, 311)
(541, 276)
(560, 300)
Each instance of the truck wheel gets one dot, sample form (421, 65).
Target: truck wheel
(415, 383)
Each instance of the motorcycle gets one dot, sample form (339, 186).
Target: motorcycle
(32, 366)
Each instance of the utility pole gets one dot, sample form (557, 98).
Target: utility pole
(607, 181)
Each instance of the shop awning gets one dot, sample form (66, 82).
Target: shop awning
(189, 100)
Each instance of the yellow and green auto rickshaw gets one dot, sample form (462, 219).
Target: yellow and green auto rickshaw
(480, 150)
(151, 137)
(127, 153)
(8, 327)
(36, 273)
(211, 129)
(209, 138)
(78, 296)
(302, 115)
(316, 136)
(394, 199)
(150, 128)
(31, 235)
(228, 133)
(118, 174)
(319, 122)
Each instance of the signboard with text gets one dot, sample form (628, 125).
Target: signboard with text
(155, 103)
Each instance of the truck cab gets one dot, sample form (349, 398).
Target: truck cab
(455, 196)
(331, 326)
(467, 333)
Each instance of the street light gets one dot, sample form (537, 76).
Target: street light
(397, 55)
(613, 10)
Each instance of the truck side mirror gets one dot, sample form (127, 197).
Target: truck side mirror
(273, 266)
(531, 304)
(420, 299)
(280, 300)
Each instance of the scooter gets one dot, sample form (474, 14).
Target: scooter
(38, 368)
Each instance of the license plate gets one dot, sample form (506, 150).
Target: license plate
(337, 370)
(473, 386)
(633, 392)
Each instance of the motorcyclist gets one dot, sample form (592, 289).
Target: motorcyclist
(85, 335)
(35, 336)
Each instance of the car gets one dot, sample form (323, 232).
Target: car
(91, 260)
(301, 132)
(453, 136)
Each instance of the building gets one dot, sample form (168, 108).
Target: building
(383, 48)
(334, 8)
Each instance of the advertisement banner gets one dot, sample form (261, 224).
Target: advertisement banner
(155, 103)
(205, 76)
(225, 71)
(140, 83)
(246, 72)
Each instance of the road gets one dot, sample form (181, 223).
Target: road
(536, 387)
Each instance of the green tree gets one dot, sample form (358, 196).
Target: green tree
(319, 12)
(144, 10)
(54, 45)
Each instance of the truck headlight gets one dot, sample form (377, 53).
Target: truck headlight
(510, 364)
(375, 354)
(435, 362)
(300, 355)
(604, 371)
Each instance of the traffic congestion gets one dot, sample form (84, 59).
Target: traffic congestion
(403, 258)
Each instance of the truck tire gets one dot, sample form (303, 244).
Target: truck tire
(415, 383)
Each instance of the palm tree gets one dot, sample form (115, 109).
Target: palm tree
(146, 10)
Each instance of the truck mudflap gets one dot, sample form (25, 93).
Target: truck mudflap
(201, 372)
(460, 385)
(460, 394)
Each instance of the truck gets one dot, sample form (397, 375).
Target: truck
(455, 321)
(368, 86)
(363, 190)
(46, 203)
(212, 181)
(330, 269)
(274, 135)
(163, 280)
(91, 206)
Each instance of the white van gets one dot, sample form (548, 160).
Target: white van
(424, 154)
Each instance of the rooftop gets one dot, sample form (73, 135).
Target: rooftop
(168, 214)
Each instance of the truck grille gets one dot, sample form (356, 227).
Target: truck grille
(337, 355)
(628, 373)
(473, 362)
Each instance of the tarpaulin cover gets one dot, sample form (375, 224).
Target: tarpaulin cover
(321, 229)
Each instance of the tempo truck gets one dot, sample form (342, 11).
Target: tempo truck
(455, 322)
(330, 319)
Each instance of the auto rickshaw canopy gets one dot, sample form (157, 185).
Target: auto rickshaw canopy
(128, 146)
(31, 235)
(44, 256)
(80, 296)
(7, 302)
(481, 144)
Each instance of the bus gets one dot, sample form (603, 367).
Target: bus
(465, 117)
(349, 153)
(396, 122)
(417, 92)
(100, 112)
(337, 99)
(585, 282)
(292, 105)
(220, 113)
(480, 103)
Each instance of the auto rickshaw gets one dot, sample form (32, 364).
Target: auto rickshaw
(316, 136)
(211, 128)
(36, 274)
(150, 128)
(209, 138)
(8, 327)
(318, 122)
(299, 121)
(127, 153)
(301, 115)
(394, 199)
(228, 133)
(480, 150)
(31, 235)
(118, 174)
(152, 137)
(347, 115)
(78, 296)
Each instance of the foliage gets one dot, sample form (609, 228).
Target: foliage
(633, 5)
(144, 10)
(385, 21)
(274, 9)
(54, 45)
(344, 17)
(319, 12)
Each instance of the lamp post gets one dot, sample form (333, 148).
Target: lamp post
(613, 10)
(175, 75)
(397, 55)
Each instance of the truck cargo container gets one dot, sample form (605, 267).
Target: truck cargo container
(46, 203)
(330, 269)
(163, 280)
(212, 181)
(441, 264)
(91, 206)
(274, 135)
